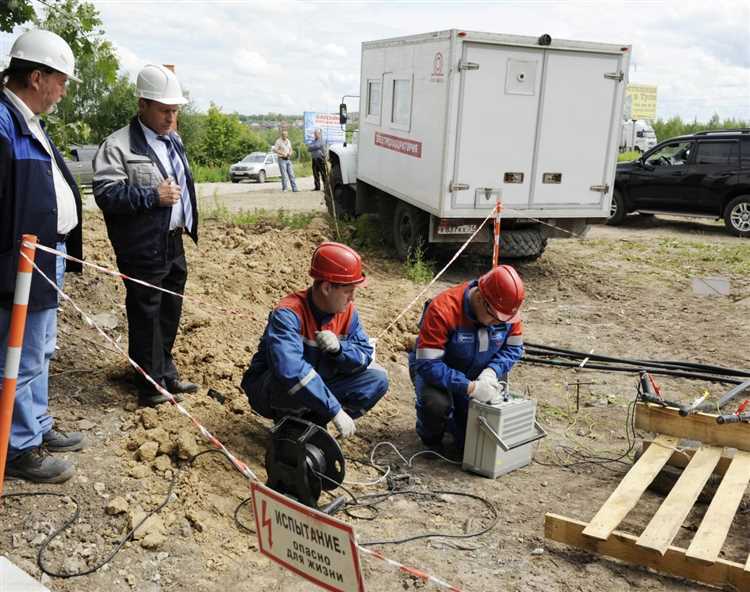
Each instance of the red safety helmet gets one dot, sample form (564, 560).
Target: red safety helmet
(337, 263)
(503, 291)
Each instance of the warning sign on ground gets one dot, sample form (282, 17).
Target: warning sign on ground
(309, 543)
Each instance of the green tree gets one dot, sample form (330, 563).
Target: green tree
(79, 24)
(115, 109)
(15, 12)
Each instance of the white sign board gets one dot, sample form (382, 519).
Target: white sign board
(313, 545)
(14, 579)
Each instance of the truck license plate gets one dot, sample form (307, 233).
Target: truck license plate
(456, 228)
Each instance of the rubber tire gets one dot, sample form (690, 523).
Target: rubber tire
(235, 180)
(261, 177)
(409, 229)
(618, 203)
(343, 195)
(386, 212)
(522, 243)
(741, 199)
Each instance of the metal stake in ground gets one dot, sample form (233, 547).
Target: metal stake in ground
(15, 344)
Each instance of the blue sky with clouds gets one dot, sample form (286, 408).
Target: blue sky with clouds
(286, 56)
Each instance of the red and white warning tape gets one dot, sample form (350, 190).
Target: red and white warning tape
(241, 466)
(437, 276)
(215, 442)
(424, 576)
(123, 276)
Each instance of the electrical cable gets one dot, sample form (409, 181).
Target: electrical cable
(41, 563)
(495, 516)
(73, 519)
(607, 368)
(601, 461)
(709, 368)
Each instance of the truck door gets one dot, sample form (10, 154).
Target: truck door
(578, 102)
(498, 105)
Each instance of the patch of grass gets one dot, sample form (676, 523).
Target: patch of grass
(417, 268)
(365, 232)
(302, 169)
(276, 218)
(628, 156)
(210, 174)
(692, 256)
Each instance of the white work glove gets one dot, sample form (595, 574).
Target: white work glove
(328, 342)
(484, 392)
(488, 375)
(344, 424)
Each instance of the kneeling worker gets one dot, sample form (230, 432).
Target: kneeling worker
(470, 336)
(315, 360)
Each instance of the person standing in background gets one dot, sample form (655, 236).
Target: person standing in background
(317, 154)
(283, 149)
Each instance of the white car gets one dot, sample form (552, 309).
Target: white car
(256, 165)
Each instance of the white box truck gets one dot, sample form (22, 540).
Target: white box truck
(448, 119)
(637, 135)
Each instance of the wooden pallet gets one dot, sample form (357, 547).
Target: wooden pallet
(653, 548)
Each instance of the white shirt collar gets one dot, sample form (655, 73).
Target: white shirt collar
(27, 113)
(150, 134)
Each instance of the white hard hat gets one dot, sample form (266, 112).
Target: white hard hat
(45, 47)
(159, 84)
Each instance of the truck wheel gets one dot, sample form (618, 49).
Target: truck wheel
(262, 177)
(343, 195)
(522, 243)
(410, 227)
(617, 211)
(235, 180)
(737, 216)
(386, 211)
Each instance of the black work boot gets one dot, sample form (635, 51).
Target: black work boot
(38, 466)
(60, 441)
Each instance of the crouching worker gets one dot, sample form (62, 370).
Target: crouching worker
(315, 360)
(470, 336)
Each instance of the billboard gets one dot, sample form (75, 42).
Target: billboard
(332, 131)
(642, 100)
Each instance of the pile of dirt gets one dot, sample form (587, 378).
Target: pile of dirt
(583, 295)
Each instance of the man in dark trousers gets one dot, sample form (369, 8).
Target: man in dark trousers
(143, 184)
(37, 196)
(317, 154)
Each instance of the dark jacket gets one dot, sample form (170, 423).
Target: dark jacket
(28, 205)
(127, 173)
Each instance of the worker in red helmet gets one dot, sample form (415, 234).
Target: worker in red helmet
(470, 336)
(315, 360)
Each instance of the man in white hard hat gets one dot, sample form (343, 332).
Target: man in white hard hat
(143, 184)
(37, 196)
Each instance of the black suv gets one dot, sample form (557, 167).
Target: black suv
(704, 174)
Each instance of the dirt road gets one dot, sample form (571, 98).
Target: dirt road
(624, 292)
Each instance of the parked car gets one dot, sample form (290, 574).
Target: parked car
(81, 163)
(256, 165)
(706, 174)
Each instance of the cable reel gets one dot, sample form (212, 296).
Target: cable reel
(302, 460)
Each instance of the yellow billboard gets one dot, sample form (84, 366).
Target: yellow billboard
(642, 101)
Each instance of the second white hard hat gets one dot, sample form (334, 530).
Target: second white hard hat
(159, 84)
(47, 48)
